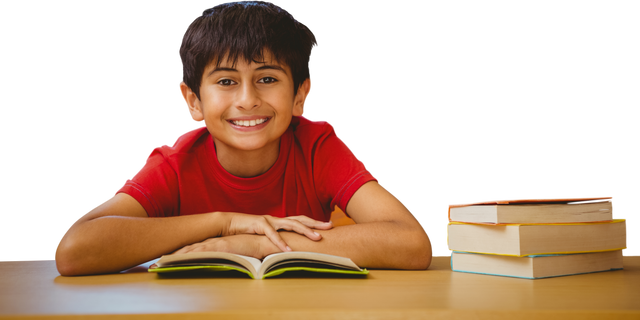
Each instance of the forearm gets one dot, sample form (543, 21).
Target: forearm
(384, 244)
(114, 243)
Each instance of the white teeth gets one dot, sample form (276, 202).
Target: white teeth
(249, 123)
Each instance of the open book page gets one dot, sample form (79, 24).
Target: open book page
(199, 259)
(310, 261)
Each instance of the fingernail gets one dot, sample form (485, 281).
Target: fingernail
(289, 249)
(317, 234)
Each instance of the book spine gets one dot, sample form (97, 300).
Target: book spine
(446, 237)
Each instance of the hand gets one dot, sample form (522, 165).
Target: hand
(251, 245)
(240, 223)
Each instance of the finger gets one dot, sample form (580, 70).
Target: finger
(184, 249)
(312, 223)
(274, 236)
(295, 226)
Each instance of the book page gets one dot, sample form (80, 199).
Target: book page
(210, 258)
(591, 211)
(306, 257)
(307, 264)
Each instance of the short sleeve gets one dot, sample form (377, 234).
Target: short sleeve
(155, 187)
(337, 172)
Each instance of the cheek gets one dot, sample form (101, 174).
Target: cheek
(215, 105)
(282, 101)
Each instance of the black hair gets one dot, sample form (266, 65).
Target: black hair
(244, 30)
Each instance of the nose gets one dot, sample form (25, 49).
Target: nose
(248, 97)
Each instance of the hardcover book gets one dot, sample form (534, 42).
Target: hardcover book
(535, 213)
(537, 266)
(540, 209)
(535, 239)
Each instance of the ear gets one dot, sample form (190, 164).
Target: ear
(301, 96)
(195, 107)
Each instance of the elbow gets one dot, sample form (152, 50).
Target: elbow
(70, 267)
(426, 261)
(420, 256)
(65, 269)
(64, 262)
(67, 259)
(422, 261)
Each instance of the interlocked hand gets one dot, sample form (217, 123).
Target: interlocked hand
(267, 225)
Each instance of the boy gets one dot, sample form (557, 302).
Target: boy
(259, 178)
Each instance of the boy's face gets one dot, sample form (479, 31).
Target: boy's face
(246, 106)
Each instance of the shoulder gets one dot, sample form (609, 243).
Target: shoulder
(188, 143)
(307, 130)
(185, 143)
(155, 179)
(334, 170)
(318, 140)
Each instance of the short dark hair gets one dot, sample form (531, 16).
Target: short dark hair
(244, 30)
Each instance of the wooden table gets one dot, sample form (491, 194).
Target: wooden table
(34, 289)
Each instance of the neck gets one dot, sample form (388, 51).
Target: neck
(247, 164)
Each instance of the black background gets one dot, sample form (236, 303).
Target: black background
(443, 104)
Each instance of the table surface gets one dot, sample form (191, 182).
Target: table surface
(34, 289)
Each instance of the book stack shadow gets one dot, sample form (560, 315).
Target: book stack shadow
(535, 239)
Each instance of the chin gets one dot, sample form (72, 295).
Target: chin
(250, 145)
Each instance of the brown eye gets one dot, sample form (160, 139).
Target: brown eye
(225, 82)
(268, 80)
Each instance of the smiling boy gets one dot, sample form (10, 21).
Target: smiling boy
(249, 107)
(259, 178)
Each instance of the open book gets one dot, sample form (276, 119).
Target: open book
(272, 265)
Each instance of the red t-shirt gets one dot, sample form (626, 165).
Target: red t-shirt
(315, 171)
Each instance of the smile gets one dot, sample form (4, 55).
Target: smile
(249, 123)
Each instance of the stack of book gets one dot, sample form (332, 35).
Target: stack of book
(536, 238)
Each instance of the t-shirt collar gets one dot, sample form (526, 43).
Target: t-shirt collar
(275, 172)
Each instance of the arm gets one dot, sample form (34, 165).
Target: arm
(386, 235)
(118, 235)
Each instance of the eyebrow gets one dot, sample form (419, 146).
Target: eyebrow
(264, 67)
